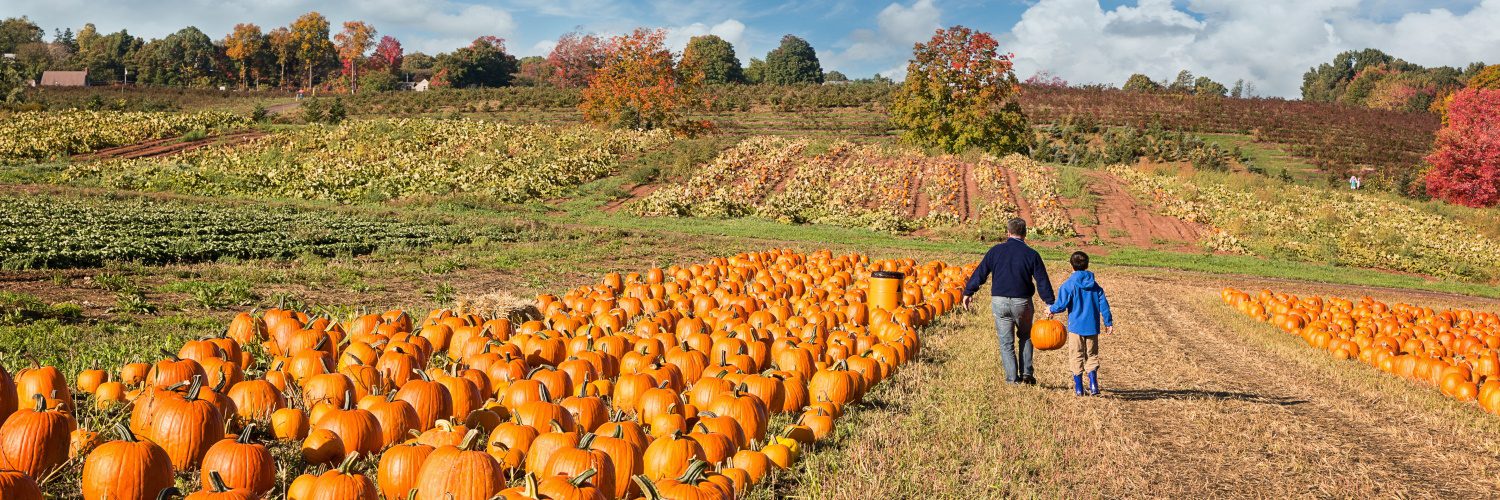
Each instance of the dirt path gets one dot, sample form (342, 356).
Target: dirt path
(1199, 402)
(635, 192)
(1023, 208)
(284, 108)
(169, 146)
(1124, 221)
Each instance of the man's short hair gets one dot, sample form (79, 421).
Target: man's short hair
(1016, 227)
(1080, 261)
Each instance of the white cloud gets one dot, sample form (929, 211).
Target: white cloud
(731, 30)
(897, 29)
(1270, 42)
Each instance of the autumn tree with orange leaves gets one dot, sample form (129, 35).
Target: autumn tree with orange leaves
(243, 45)
(352, 43)
(960, 92)
(641, 86)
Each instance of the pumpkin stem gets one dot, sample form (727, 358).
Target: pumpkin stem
(245, 433)
(556, 427)
(196, 386)
(469, 439)
(647, 487)
(423, 375)
(168, 492)
(41, 403)
(586, 440)
(578, 480)
(531, 485)
(344, 467)
(170, 355)
(546, 394)
(124, 432)
(537, 369)
(217, 482)
(619, 431)
(348, 399)
(694, 472)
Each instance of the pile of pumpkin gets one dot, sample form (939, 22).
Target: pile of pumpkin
(654, 385)
(1453, 350)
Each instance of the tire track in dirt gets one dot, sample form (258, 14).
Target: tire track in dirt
(1023, 208)
(970, 194)
(1202, 409)
(168, 146)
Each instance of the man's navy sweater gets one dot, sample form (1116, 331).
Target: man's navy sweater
(1011, 267)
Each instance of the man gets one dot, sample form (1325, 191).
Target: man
(1012, 267)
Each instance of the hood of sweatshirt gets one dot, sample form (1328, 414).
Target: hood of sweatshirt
(1084, 279)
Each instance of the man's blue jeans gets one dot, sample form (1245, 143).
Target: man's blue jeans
(1012, 323)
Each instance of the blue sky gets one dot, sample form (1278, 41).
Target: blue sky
(1268, 42)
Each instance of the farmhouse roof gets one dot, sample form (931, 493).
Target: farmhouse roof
(65, 78)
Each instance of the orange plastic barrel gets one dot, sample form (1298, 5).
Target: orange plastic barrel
(885, 290)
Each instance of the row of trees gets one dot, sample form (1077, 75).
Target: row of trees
(576, 57)
(1186, 84)
(1374, 79)
(306, 53)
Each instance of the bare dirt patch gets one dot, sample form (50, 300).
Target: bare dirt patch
(1124, 221)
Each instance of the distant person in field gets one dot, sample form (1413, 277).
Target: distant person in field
(1012, 267)
(1353, 182)
(1084, 301)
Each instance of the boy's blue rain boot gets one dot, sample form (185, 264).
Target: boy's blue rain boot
(1078, 385)
(1093, 383)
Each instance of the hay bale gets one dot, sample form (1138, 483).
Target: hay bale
(499, 305)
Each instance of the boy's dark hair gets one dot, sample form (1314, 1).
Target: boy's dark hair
(1016, 227)
(1079, 260)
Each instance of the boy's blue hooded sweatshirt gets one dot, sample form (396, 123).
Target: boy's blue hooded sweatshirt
(1084, 300)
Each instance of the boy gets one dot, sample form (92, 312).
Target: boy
(1085, 303)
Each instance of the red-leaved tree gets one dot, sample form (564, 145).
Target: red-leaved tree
(575, 58)
(387, 55)
(641, 86)
(1466, 165)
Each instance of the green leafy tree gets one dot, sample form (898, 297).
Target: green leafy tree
(835, 76)
(1183, 84)
(960, 92)
(756, 72)
(11, 82)
(483, 63)
(105, 56)
(186, 57)
(1141, 83)
(17, 31)
(793, 62)
(1327, 82)
(1205, 86)
(715, 57)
